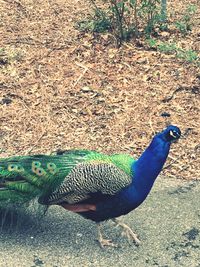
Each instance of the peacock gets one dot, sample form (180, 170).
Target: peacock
(97, 186)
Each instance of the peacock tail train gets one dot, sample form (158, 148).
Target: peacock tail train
(24, 178)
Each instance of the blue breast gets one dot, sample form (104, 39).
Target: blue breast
(145, 170)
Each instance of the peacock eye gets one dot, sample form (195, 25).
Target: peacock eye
(11, 167)
(19, 168)
(172, 134)
(51, 166)
(36, 164)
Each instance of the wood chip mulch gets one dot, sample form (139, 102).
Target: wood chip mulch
(63, 89)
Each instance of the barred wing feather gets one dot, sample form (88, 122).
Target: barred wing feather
(87, 178)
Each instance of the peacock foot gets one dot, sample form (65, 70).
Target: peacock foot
(104, 242)
(127, 231)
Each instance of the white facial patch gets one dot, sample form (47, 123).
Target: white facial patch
(172, 134)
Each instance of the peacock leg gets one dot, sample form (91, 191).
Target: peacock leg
(127, 231)
(104, 242)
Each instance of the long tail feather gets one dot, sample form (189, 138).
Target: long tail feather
(28, 177)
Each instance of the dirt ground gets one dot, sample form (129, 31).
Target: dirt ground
(61, 88)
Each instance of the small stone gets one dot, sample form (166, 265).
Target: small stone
(86, 89)
(79, 235)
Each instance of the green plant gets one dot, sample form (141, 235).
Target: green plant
(150, 10)
(163, 12)
(99, 22)
(167, 48)
(124, 18)
(187, 55)
(152, 43)
(185, 24)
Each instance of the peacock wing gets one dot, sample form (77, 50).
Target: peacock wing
(26, 177)
(94, 176)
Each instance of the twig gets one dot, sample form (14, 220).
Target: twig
(119, 13)
(81, 76)
(31, 149)
(172, 162)
(94, 4)
(150, 123)
(136, 18)
(18, 4)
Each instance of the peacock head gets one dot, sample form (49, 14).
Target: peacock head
(171, 133)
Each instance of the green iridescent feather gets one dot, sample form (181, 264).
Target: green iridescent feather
(23, 178)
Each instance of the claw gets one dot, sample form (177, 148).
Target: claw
(104, 242)
(127, 231)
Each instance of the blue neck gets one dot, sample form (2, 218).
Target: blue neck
(148, 166)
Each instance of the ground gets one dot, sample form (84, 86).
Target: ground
(62, 88)
(167, 225)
